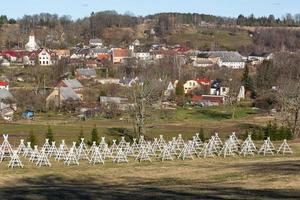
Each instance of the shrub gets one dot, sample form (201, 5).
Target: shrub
(272, 130)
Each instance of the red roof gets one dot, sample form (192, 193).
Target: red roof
(4, 83)
(203, 81)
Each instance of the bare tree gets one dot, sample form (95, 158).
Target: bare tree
(144, 95)
(232, 95)
(289, 99)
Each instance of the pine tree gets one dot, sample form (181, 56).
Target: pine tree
(32, 139)
(248, 82)
(202, 134)
(94, 136)
(179, 89)
(80, 136)
(49, 134)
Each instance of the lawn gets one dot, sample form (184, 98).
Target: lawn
(272, 177)
(185, 121)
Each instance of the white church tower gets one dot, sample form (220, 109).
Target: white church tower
(31, 44)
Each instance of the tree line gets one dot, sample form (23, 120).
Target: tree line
(270, 21)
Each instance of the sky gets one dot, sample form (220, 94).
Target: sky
(81, 8)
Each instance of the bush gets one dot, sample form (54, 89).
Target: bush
(272, 130)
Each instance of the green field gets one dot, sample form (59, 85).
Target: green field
(185, 121)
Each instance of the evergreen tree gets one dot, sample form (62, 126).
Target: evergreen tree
(49, 134)
(32, 139)
(94, 136)
(248, 82)
(202, 134)
(80, 136)
(179, 89)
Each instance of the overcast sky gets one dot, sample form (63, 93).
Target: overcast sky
(81, 8)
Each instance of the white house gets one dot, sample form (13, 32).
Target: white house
(230, 59)
(190, 85)
(222, 91)
(142, 55)
(31, 45)
(44, 57)
(95, 42)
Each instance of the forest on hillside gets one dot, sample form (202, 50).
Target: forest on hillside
(63, 31)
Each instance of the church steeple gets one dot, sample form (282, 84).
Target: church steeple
(31, 45)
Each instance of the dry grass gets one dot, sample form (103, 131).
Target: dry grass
(273, 177)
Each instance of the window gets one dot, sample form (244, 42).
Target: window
(43, 62)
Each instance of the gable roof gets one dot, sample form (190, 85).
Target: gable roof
(88, 72)
(72, 83)
(68, 94)
(256, 54)
(95, 40)
(4, 94)
(118, 52)
(225, 56)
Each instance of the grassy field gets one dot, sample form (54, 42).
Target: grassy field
(183, 121)
(203, 38)
(272, 177)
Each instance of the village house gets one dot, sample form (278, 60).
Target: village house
(80, 53)
(191, 85)
(60, 95)
(96, 42)
(99, 53)
(85, 73)
(202, 63)
(118, 54)
(230, 59)
(260, 56)
(46, 57)
(128, 82)
(141, 54)
(4, 85)
(104, 81)
(62, 53)
(7, 105)
(120, 101)
(73, 84)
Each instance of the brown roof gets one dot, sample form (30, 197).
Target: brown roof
(121, 52)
